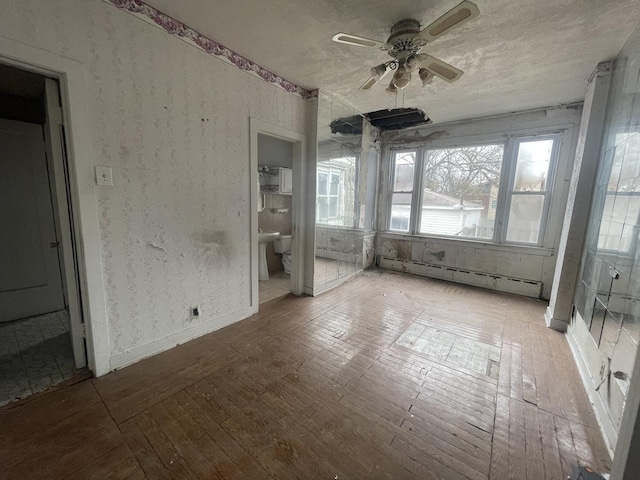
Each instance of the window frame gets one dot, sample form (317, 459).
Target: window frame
(392, 190)
(510, 145)
(325, 166)
(330, 172)
(549, 186)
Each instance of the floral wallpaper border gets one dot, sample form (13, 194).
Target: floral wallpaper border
(179, 29)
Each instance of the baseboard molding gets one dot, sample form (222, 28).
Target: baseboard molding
(165, 343)
(608, 430)
(554, 323)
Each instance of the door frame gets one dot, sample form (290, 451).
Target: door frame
(71, 75)
(299, 141)
(63, 215)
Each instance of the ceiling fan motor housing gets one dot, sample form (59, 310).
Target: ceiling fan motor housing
(405, 39)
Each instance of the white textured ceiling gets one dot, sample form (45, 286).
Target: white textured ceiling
(517, 55)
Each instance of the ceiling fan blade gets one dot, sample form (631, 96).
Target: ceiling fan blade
(455, 17)
(356, 40)
(441, 69)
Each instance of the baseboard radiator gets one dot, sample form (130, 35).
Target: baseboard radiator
(518, 286)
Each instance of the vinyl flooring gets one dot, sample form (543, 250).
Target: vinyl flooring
(344, 385)
(35, 353)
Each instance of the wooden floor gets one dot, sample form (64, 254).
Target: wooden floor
(329, 387)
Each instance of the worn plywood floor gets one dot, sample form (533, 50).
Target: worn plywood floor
(343, 386)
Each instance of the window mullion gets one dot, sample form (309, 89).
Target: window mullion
(416, 197)
(504, 194)
(549, 186)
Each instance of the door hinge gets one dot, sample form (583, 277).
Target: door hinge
(83, 330)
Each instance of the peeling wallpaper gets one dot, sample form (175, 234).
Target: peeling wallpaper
(180, 30)
(173, 123)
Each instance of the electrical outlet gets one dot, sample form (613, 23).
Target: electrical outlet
(104, 176)
(195, 312)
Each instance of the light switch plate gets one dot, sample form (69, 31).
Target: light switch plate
(104, 176)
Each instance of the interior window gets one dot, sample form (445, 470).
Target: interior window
(335, 191)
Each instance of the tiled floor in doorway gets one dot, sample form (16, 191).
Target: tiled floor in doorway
(278, 285)
(35, 353)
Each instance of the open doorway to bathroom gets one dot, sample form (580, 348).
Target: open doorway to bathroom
(275, 221)
(280, 204)
(41, 339)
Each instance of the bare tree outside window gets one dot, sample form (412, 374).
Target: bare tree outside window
(463, 171)
(454, 191)
(460, 190)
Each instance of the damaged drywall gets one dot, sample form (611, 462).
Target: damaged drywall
(527, 270)
(213, 246)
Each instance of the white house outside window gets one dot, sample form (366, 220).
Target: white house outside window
(496, 192)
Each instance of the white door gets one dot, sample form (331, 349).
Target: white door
(60, 181)
(30, 278)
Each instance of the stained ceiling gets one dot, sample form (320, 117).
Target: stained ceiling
(516, 55)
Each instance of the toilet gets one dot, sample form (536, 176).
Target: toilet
(282, 245)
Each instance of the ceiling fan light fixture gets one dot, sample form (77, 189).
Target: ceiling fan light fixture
(391, 88)
(412, 63)
(378, 71)
(426, 76)
(401, 78)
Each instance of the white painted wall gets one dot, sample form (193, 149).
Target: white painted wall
(522, 268)
(173, 123)
(274, 152)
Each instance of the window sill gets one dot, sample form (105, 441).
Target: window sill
(471, 243)
(335, 227)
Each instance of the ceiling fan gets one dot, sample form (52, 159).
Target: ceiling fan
(404, 45)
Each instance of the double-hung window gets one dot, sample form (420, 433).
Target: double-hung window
(401, 197)
(497, 191)
(529, 191)
(329, 185)
(335, 192)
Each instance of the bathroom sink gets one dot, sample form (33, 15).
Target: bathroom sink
(266, 237)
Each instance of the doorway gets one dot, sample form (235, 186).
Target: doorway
(41, 332)
(277, 173)
(275, 170)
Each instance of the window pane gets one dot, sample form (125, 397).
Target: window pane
(404, 170)
(460, 191)
(335, 183)
(322, 183)
(337, 191)
(323, 211)
(333, 210)
(400, 212)
(525, 217)
(532, 169)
